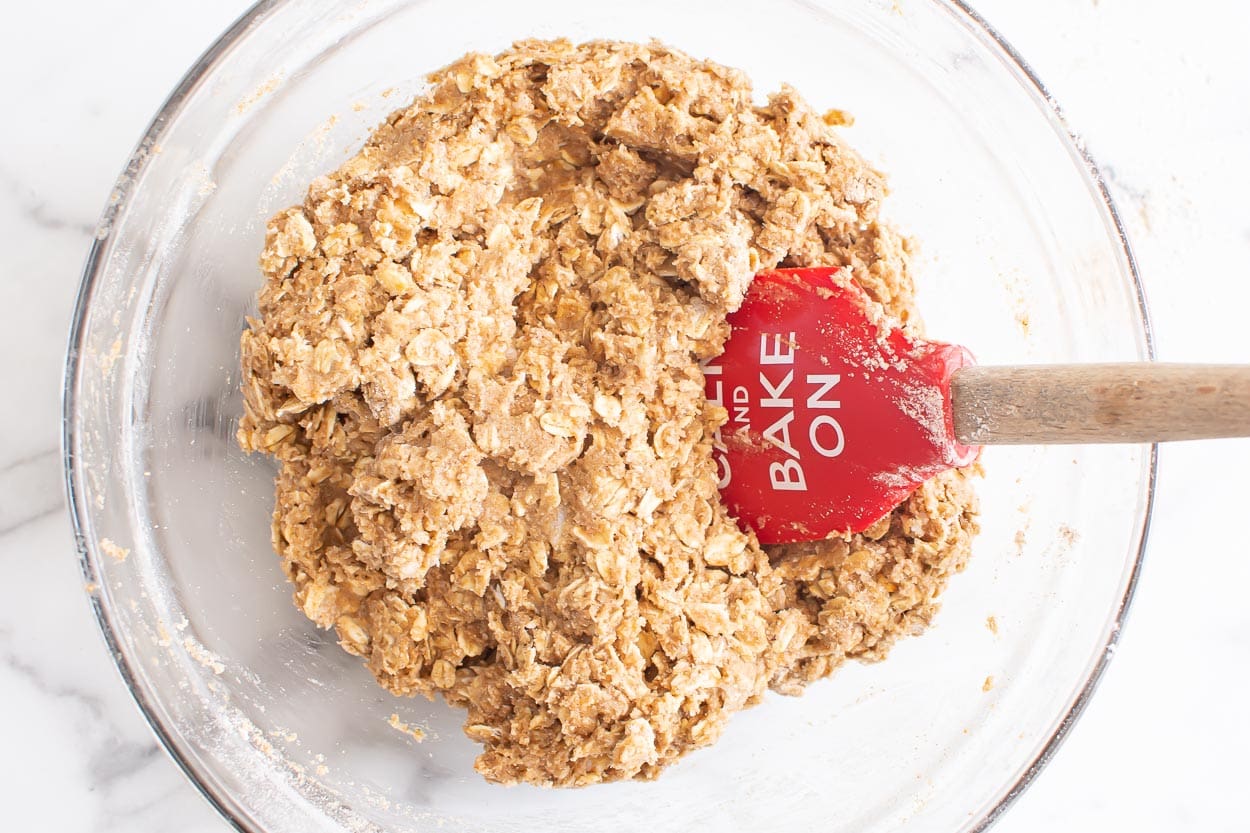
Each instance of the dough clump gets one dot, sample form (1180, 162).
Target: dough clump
(477, 361)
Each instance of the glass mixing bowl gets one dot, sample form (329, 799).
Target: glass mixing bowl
(1022, 259)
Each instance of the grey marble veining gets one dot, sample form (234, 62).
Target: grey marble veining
(31, 486)
(1160, 96)
(37, 211)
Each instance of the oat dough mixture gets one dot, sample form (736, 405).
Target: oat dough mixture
(478, 362)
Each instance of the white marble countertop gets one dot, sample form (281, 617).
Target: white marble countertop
(1161, 93)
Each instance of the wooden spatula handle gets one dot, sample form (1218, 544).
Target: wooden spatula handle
(1100, 403)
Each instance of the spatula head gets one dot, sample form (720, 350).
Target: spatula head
(835, 415)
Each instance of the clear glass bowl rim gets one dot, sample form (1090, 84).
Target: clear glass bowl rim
(90, 557)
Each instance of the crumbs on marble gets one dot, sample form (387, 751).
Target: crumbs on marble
(417, 732)
(988, 685)
(91, 587)
(117, 553)
(1068, 536)
(991, 624)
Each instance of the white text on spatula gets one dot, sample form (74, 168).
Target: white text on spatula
(824, 432)
(788, 475)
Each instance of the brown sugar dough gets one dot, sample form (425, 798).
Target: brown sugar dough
(478, 363)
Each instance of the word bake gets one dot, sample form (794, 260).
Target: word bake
(795, 414)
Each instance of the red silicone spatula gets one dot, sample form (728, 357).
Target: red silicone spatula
(836, 415)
